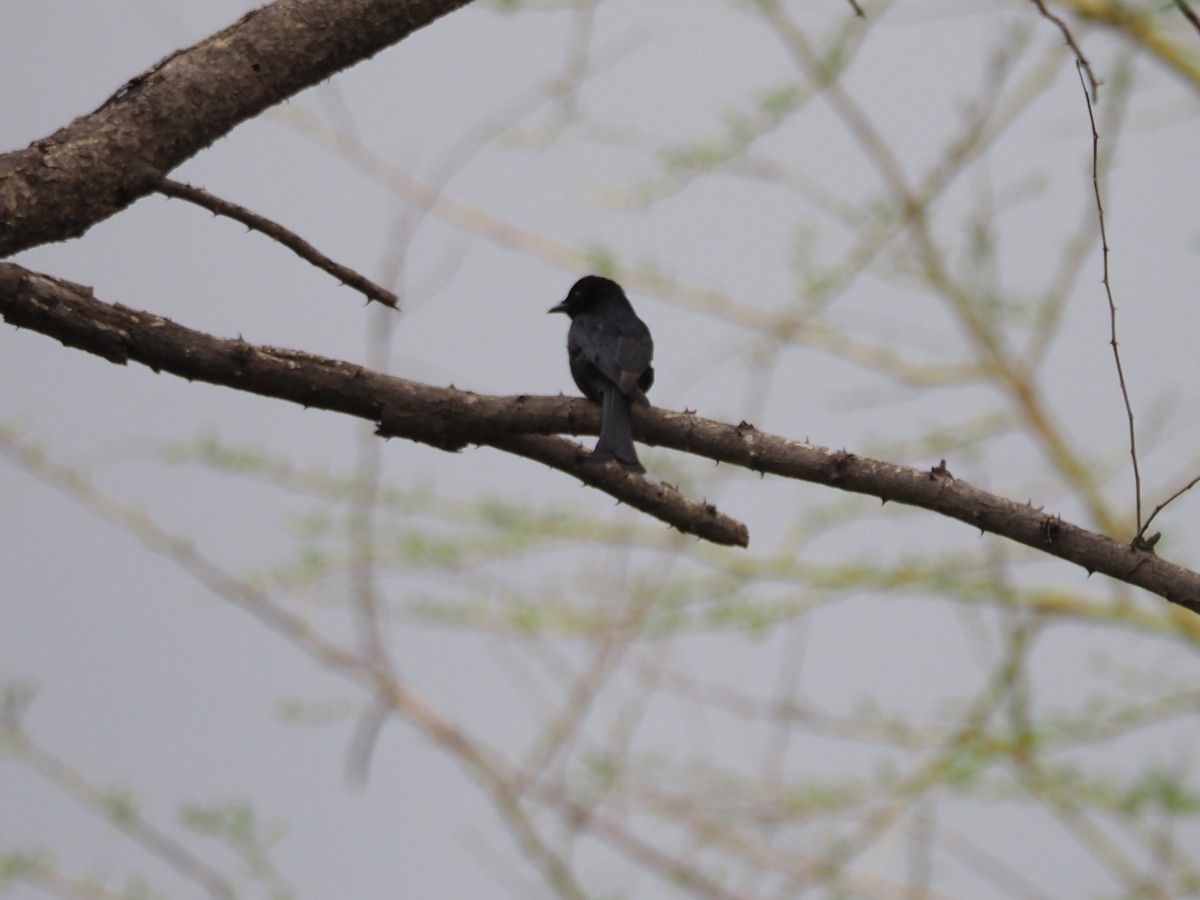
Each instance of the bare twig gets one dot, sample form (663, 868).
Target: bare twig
(1112, 306)
(1175, 496)
(858, 10)
(1076, 248)
(277, 232)
(1143, 27)
(1188, 13)
(1080, 60)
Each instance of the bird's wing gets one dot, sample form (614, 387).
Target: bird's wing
(618, 348)
(633, 355)
(594, 340)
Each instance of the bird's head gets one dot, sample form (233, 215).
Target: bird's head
(586, 293)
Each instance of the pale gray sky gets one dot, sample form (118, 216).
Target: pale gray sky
(146, 681)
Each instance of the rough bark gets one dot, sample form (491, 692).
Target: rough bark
(61, 185)
(446, 418)
(451, 419)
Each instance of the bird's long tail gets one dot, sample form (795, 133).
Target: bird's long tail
(616, 433)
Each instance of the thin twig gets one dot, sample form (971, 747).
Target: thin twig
(277, 232)
(858, 10)
(1112, 306)
(1175, 496)
(1080, 60)
(1188, 14)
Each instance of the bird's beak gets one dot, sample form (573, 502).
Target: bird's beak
(558, 307)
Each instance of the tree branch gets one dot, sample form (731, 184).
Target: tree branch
(450, 419)
(61, 185)
(1080, 60)
(1080, 65)
(1188, 13)
(276, 232)
(445, 418)
(1142, 25)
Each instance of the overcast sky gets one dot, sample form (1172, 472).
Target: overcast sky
(147, 681)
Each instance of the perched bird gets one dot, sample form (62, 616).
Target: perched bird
(609, 349)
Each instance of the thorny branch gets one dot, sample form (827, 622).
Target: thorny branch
(444, 418)
(450, 419)
(1112, 306)
(1081, 60)
(1082, 66)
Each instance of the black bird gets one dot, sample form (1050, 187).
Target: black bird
(609, 349)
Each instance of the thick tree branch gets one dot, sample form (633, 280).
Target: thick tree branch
(441, 417)
(61, 185)
(450, 419)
